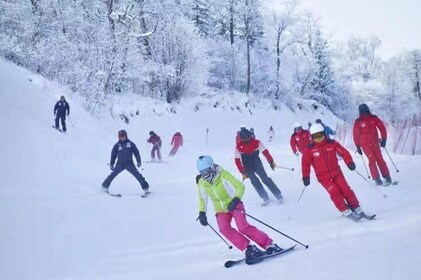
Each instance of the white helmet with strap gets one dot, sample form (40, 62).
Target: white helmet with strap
(316, 128)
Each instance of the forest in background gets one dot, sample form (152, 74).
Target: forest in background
(175, 49)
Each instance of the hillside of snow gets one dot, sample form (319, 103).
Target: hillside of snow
(56, 224)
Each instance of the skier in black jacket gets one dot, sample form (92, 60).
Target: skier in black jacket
(124, 150)
(60, 110)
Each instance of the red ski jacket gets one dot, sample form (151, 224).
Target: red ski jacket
(177, 139)
(365, 131)
(299, 140)
(155, 140)
(247, 154)
(322, 156)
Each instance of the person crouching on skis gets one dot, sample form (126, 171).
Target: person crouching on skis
(322, 155)
(226, 192)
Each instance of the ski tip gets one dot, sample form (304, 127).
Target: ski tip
(228, 264)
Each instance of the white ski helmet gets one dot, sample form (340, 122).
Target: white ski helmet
(297, 124)
(316, 128)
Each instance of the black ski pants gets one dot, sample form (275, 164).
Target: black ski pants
(61, 117)
(132, 169)
(258, 170)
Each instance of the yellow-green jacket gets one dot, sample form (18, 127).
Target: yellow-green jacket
(224, 188)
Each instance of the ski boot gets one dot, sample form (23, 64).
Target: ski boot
(265, 202)
(104, 189)
(378, 182)
(253, 254)
(387, 181)
(273, 248)
(352, 215)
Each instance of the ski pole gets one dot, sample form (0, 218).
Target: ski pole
(282, 167)
(229, 246)
(365, 166)
(397, 170)
(365, 179)
(299, 163)
(302, 192)
(71, 121)
(377, 189)
(263, 223)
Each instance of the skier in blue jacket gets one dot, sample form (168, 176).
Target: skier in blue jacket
(60, 110)
(330, 133)
(123, 151)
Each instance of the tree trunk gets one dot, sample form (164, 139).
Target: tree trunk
(232, 22)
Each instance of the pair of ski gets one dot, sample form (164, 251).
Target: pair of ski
(394, 183)
(59, 129)
(258, 259)
(368, 216)
(146, 194)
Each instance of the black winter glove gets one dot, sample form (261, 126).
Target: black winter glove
(202, 218)
(306, 181)
(359, 151)
(382, 143)
(198, 178)
(272, 165)
(351, 166)
(233, 204)
(139, 164)
(112, 167)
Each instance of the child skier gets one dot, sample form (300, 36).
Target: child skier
(226, 192)
(155, 140)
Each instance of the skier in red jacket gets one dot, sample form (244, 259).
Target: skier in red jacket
(367, 138)
(155, 140)
(299, 139)
(250, 166)
(177, 141)
(322, 155)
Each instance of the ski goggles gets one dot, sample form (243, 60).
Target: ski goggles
(318, 137)
(206, 171)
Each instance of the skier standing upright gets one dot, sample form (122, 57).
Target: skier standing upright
(299, 139)
(366, 140)
(176, 141)
(61, 109)
(156, 142)
(271, 134)
(250, 165)
(123, 151)
(226, 192)
(322, 155)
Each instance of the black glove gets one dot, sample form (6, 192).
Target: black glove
(382, 143)
(306, 181)
(233, 204)
(202, 218)
(359, 151)
(112, 167)
(272, 165)
(139, 164)
(351, 166)
(198, 178)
